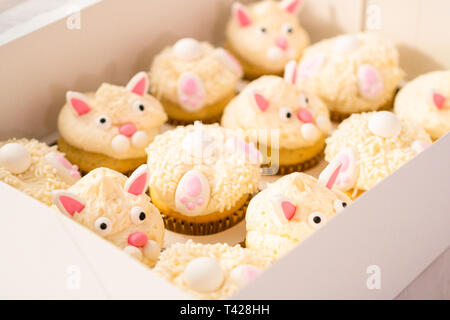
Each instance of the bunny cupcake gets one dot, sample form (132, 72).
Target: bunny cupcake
(272, 105)
(288, 211)
(110, 128)
(211, 271)
(202, 177)
(368, 147)
(426, 101)
(351, 73)
(117, 209)
(35, 168)
(194, 81)
(265, 35)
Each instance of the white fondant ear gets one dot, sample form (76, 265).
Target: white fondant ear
(342, 172)
(291, 6)
(78, 102)
(139, 83)
(192, 194)
(229, 61)
(67, 202)
(260, 101)
(137, 183)
(241, 14)
(290, 72)
(284, 208)
(191, 92)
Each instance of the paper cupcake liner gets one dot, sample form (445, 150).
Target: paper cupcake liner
(337, 116)
(211, 120)
(206, 228)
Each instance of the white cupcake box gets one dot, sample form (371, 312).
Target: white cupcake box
(391, 242)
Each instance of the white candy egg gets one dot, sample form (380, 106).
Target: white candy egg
(204, 274)
(151, 250)
(120, 144)
(188, 49)
(15, 158)
(310, 132)
(385, 124)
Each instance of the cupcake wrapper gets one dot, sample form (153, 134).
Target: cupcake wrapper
(178, 122)
(337, 116)
(299, 167)
(203, 229)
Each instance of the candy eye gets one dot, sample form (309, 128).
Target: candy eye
(304, 100)
(138, 107)
(103, 226)
(339, 205)
(263, 30)
(287, 28)
(317, 219)
(285, 113)
(137, 215)
(103, 122)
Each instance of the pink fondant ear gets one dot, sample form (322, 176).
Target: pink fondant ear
(290, 72)
(137, 183)
(342, 172)
(78, 102)
(439, 100)
(241, 14)
(229, 61)
(291, 6)
(261, 102)
(139, 84)
(67, 202)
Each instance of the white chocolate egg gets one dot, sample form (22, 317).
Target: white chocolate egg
(385, 124)
(139, 139)
(151, 250)
(346, 44)
(204, 274)
(134, 252)
(310, 132)
(188, 49)
(15, 158)
(120, 144)
(324, 123)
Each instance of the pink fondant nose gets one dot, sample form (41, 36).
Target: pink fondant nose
(305, 116)
(127, 129)
(282, 43)
(137, 239)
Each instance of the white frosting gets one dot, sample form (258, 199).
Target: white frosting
(15, 157)
(120, 144)
(385, 124)
(187, 49)
(199, 144)
(204, 274)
